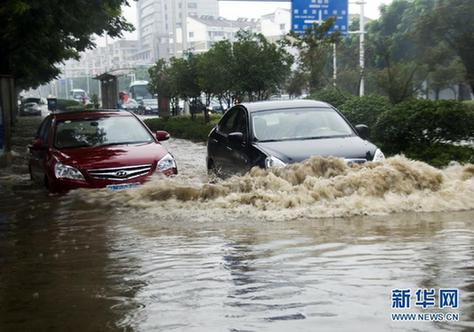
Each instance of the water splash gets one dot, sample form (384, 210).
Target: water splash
(318, 187)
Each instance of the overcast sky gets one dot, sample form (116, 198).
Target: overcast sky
(255, 9)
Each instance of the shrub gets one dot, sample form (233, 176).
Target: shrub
(332, 96)
(64, 104)
(441, 154)
(424, 123)
(365, 110)
(76, 108)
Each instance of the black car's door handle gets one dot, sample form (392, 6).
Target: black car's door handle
(213, 140)
(228, 148)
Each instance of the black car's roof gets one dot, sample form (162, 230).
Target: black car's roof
(283, 104)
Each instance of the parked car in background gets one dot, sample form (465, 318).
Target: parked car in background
(30, 108)
(130, 105)
(147, 102)
(79, 95)
(277, 133)
(96, 150)
(216, 107)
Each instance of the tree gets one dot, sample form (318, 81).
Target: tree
(397, 64)
(162, 83)
(215, 72)
(314, 47)
(36, 35)
(450, 21)
(296, 83)
(260, 67)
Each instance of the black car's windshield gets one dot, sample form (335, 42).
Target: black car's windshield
(301, 123)
(99, 132)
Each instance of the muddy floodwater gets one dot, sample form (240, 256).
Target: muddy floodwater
(313, 247)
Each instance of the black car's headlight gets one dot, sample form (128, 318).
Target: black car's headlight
(378, 155)
(62, 171)
(272, 161)
(166, 163)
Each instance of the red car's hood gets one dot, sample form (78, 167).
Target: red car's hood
(112, 155)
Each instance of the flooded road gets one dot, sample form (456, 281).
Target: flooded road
(318, 246)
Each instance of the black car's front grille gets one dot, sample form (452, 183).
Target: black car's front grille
(120, 173)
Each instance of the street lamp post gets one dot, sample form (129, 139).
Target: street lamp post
(361, 33)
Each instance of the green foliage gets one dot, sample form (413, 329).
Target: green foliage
(420, 124)
(67, 104)
(441, 154)
(251, 67)
(314, 47)
(36, 35)
(330, 95)
(296, 84)
(215, 71)
(184, 127)
(365, 110)
(449, 21)
(260, 66)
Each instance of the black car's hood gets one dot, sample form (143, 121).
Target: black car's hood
(292, 151)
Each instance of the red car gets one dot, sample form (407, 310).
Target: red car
(113, 149)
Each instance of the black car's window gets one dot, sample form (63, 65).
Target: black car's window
(240, 123)
(234, 121)
(301, 123)
(227, 122)
(99, 132)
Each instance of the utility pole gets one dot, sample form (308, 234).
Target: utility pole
(174, 27)
(362, 49)
(184, 27)
(361, 33)
(334, 64)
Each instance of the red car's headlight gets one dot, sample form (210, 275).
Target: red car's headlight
(166, 163)
(62, 171)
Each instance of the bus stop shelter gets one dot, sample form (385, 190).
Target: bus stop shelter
(108, 90)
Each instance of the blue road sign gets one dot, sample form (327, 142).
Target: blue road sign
(305, 13)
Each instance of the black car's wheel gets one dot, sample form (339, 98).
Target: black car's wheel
(211, 169)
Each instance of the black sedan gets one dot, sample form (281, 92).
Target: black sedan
(277, 133)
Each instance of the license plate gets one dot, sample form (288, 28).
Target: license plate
(123, 186)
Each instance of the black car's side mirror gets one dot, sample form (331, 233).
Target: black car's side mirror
(363, 131)
(236, 138)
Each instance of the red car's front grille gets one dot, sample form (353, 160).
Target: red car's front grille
(120, 173)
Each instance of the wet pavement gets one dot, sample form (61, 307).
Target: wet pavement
(315, 247)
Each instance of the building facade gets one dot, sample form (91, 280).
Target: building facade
(204, 31)
(116, 55)
(160, 21)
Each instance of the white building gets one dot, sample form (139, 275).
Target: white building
(277, 24)
(117, 55)
(158, 22)
(204, 31)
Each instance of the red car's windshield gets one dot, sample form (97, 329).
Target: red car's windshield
(99, 132)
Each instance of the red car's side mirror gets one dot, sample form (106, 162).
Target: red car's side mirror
(162, 135)
(38, 144)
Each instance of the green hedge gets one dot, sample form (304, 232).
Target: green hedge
(424, 123)
(184, 127)
(365, 110)
(67, 104)
(441, 154)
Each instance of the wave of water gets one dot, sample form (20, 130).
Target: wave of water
(317, 188)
